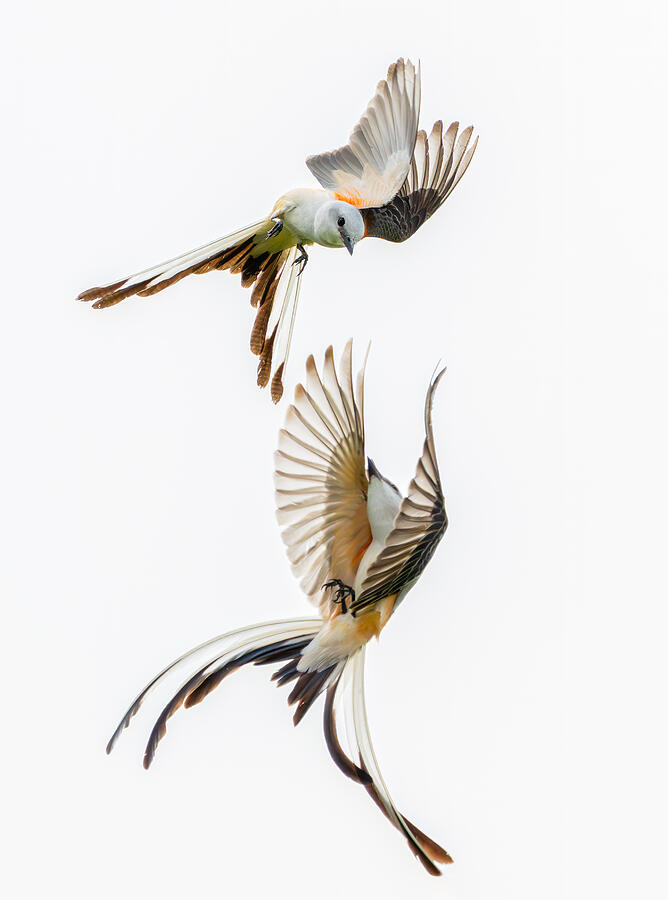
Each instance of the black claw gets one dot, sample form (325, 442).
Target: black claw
(342, 591)
(276, 229)
(302, 259)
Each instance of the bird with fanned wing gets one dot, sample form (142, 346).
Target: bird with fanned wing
(357, 546)
(385, 183)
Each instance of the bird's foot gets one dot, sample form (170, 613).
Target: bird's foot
(301, 260)
(275, 229)
(342, 592)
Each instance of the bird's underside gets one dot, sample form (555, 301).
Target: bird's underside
(385, 183)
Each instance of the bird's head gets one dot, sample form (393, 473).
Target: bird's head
(338, 224)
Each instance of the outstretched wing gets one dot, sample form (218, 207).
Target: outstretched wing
(437, 165)
(371, 168)
(417, 529)
(320, 477)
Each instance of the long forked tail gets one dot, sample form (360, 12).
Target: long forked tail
(283, 641)
(263, 264)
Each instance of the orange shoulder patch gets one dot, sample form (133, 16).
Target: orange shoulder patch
(354, 199)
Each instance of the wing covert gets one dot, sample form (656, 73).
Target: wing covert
(417, 529)
(320, 477)
(371, 168)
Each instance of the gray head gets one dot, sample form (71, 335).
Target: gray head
(338, 224)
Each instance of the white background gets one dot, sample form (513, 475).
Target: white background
(517, 701)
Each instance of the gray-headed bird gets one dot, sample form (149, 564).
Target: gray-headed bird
(387, 181)
(358, 546)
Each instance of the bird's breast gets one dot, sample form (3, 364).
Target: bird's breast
(298, 209)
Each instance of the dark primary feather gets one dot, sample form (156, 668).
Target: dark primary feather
(418, 527)
(437, 165)
(401, 217)
(420, 554)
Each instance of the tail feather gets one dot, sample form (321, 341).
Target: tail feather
(260, 656)
(233, 638)
(283, 642)
(288, 673)
(357, 728)
(210, 675)
(223, 252)
(361, 775)
(246, 253)
(227, 636)
(308, 688)
(344, 763)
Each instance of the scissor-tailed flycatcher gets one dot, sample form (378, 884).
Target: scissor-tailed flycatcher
(358, 547)
(387, 181)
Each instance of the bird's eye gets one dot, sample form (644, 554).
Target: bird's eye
(341, 222)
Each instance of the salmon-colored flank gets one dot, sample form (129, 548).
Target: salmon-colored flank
(357, 558)
(368, 625)
(371, 622)
(385, 608)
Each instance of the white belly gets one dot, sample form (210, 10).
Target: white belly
(382, 507)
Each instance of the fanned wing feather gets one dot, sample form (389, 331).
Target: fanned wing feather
(437, 165)
(320, 477)
(419, 526)
(371, 168)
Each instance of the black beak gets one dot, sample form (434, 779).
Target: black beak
(373, 471)
(347, 243)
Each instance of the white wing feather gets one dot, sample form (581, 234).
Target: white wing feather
(320, 477)
(371, 168)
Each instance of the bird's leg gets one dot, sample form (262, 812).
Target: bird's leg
(302, 259)
(342, 591)
(276, 228)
